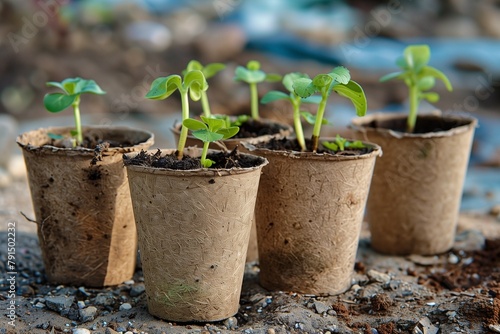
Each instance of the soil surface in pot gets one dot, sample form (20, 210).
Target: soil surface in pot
(423, 125)
(252, 128)
(286, 144)
(224, 160)
(93, 142)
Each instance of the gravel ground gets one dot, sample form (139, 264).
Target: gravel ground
(456, 292)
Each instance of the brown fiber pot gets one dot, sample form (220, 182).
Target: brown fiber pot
(193, 229)
(230, 144)
(417, 186)
(86, 225)
(309, 213)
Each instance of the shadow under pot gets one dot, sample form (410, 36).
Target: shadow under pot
(415, 196)
(82, 205)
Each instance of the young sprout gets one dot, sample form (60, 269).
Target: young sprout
(209, 130)
(340, 144)
(193, 85)
(296, 102)
(208, 71)
(72, 89)
(339, 81)
(252, 75)
(419, 77)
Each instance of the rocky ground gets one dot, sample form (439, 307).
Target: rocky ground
(456, 292)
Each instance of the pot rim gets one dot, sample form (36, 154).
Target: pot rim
(359, 124)
(82, 150)
(194, 151)
(376, 151)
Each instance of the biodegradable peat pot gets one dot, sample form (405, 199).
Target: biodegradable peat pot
(417, 185)
(86, 225)
(283, 130)
(193, 229)
(309, 213)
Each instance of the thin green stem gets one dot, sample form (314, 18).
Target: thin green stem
(319, 120)
(297, 123)
(78, 123)
(254, 100)
(184, 130)
(414, 101)
(205, 105)
(206, 144)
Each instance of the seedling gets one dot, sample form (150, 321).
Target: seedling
(208, 71)
(296, 102)
(339, 81)
(209, 130)
(419, 77)
(193, 85)
(72, 89)
(253, 75)
(340, 144)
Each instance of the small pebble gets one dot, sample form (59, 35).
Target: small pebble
(231, 323)
(137, 290)
(129, 282)
(81, 304)
(271, 331)
(88, 314)
(125, 307)
(453, 259)
(39, 305)
(378, 276)
(494, 328)
(81, 331)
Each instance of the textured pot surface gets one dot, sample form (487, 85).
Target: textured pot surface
(230, 144)
(193, 229)
(417, 185)
(309, 213)
(84, 213)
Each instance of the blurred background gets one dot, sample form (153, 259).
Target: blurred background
(124, 45)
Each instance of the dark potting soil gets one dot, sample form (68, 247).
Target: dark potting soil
(252, 128)
(424, 124)
(222, 160)
(286, 144)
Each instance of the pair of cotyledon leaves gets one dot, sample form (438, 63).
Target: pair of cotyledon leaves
(72, 88)
(416, 72)
(210, 129)
(338, 80)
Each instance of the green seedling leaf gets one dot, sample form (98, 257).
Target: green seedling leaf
(54, 136)
(331, 146)
(340, 74)
(88, 86)
(196, 83)
(212, 69)
(163, 87)
(193, 124)
(273, 77)
(73, 133)
(228, 132)
(355, 144)
(304, 87)
(401, 62)
(394, 75)
(311, 119)
(253, 65)
(206, 135)
(432, 97)
(70, 84)
(355, 93)
(417, 56)
(290, 78)
(214, 124)
(57, 85)
(322, 80)
(249, 76)
(431, 71)
(426, 83)
(274, 96)
(57, 102)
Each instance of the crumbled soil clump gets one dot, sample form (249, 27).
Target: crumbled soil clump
(253, 128)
